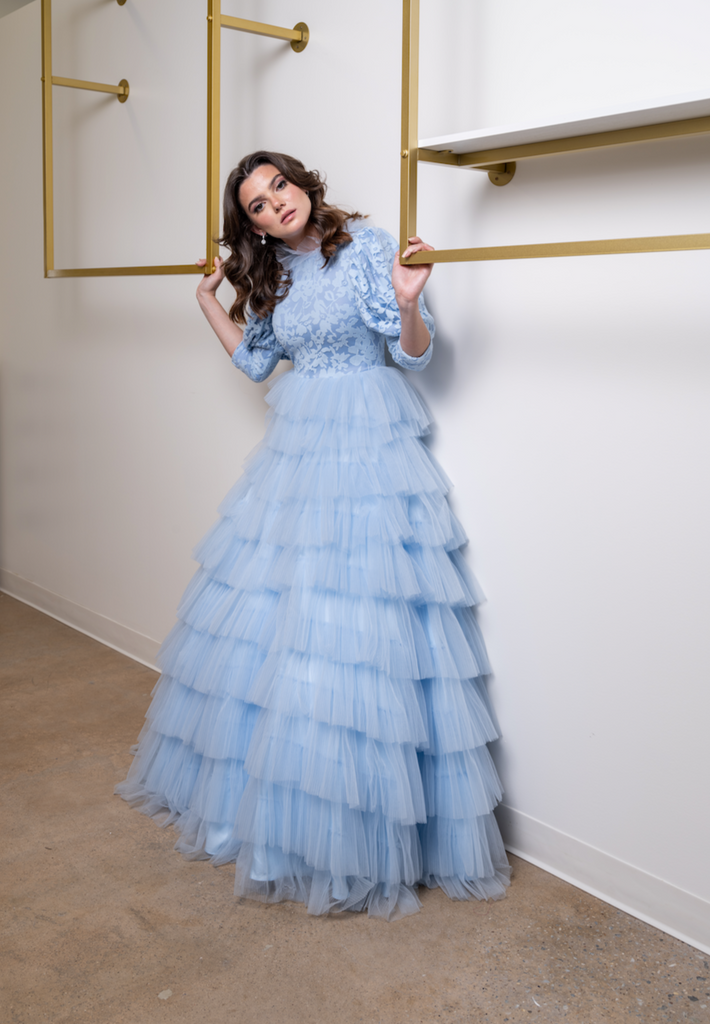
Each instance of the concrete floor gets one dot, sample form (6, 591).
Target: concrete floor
(105, 923)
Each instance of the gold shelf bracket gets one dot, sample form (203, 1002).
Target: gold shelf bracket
(121, 91)
(297, 36)
(500, 165)
(502, 174)
(499, 174)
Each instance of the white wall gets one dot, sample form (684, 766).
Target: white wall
(570, 394)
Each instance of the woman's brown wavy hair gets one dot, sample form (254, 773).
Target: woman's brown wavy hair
(253, 269)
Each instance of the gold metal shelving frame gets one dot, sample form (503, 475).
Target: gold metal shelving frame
(297, 37)
(122, 92)
(500, 164)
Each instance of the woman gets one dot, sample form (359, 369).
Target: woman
(321, 717)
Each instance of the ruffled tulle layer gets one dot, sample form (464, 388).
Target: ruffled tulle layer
(321, 717)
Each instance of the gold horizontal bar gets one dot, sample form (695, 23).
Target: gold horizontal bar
(257, 28)
(431, 156)
(618, 137)
(595, 247)
(179, 268)
(75, 83)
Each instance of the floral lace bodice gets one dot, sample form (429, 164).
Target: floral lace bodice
(335, 319)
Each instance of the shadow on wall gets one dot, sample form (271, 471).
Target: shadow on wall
(8, 6)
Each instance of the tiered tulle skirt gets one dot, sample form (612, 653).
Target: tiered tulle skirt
(321, 717)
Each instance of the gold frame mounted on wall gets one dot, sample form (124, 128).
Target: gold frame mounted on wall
(500, 164)
(298, 38)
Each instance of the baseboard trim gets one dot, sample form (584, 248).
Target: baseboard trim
(650, 899)
(112, 634)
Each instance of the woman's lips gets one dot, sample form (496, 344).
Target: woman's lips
(287, 216)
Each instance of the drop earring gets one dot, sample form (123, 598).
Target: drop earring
(263, 239)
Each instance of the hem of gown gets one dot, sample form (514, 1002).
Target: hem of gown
(319, 891)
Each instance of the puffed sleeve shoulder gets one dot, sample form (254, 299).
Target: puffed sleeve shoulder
(371, 254)
(259, 352)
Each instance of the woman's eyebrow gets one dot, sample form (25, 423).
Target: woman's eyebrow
(260, 199)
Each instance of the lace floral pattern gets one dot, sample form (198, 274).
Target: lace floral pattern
(335, 319)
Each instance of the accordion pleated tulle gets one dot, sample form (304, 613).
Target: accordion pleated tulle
(321, 717)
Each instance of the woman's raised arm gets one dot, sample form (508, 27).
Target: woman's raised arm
(408, 283)
(226, 330)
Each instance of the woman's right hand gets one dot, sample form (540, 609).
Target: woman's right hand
(229, 333)
(210, 282)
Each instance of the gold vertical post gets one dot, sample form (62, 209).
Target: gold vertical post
(410, 121)
(214, 27)
(47, 151)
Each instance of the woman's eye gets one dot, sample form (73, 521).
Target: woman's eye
(259, 208)
(280, 184)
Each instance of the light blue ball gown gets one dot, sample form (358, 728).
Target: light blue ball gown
(321, 717)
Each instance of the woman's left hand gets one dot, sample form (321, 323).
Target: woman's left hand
(408, 281)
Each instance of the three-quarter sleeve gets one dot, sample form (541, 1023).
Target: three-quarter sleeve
(372, 253)
(259, 352)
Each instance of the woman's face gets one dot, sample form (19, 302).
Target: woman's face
(275, 206)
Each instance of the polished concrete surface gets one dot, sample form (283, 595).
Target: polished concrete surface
(103, 922)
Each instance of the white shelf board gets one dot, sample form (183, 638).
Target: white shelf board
(670, 108)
